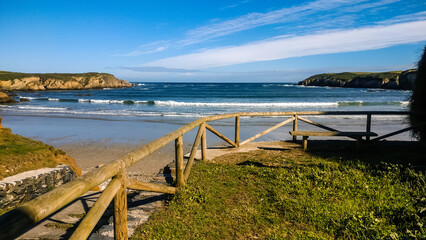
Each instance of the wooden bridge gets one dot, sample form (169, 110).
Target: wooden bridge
(18, 220)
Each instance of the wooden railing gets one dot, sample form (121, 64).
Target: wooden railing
(18, 220)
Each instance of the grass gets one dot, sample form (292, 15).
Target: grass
(349, 76)
(5, 76)
(19, 154)
(295, 195)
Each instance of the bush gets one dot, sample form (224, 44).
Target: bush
(418, 101)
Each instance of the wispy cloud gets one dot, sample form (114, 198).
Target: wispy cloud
(321, 43)
(234, 5)
(157, 69)
(256, 19)
(419, 16)
(149, 48)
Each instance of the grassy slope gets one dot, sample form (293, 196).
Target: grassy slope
(276, 194)
(19, 154)
(4, 76)
(347, 76)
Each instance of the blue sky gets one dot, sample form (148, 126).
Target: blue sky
(211, 41)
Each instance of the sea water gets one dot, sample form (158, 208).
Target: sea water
(166, 106)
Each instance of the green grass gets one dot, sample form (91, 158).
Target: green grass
(5, 76)
(294, 195)
(19, 154)
(348, 76)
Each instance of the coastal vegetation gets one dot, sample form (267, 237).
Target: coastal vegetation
(4, 75)
(418, 101)
(19, 154)
(298, 195)
(388, 80)
(11, 81)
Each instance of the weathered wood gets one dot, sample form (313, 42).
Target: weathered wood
(392, 134)
(368, 126)
(193, 152)
(211, 129)
(180, 181)
(204, 143)
(16, 221)
(267, 131)
(120, 208)
(306, 134)
(237, 131)
(332, 133)
(305, 142)
(152, 187)
(91, 219)
(295, 126)
(316, 124)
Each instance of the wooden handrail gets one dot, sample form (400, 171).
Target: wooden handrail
(19, 219)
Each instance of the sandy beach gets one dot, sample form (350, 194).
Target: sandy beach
(93, 142)
(89, 155)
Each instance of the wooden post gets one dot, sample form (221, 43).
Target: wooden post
(266, 131)
(120, 207)
(305, 143)
(295, 127)
(204, 143)
(89, 221)
(217, 133)
(193, 153)
(180, 182)
(368, 129)
(237, 131)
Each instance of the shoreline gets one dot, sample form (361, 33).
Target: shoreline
(93, 142)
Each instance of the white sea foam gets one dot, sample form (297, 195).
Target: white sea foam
(41, 108)
(271, 104)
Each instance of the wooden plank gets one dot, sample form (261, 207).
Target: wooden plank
(152, 187)
(316, 124)
(193, 152)
(368, 126)
(211, 129)
(332, 133)
(295, 127)
(91, 219)
(180, 181)
(267, 131)
(305, 143)
(120, 208)
(237, 131)
(204, 143)
(392, 134)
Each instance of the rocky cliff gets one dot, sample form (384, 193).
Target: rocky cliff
(403, 80)
(11, 81)
(4, 98)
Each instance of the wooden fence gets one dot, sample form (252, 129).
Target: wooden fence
(18, 220)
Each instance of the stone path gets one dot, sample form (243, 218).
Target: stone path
(141, 204)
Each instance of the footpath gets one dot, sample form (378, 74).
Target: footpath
(141, 204)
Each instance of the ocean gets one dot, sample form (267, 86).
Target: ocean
(122, 113)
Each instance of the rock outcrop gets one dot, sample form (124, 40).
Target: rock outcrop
(4, 98)
(11, 81)
(402, 80)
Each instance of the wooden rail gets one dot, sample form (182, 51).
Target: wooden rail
(18, 220)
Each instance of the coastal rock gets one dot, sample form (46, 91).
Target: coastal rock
(4, 98)
(31, 184)
(11, 81)
(402, 80)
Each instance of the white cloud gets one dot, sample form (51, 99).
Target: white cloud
(322, 43)
(257, 19)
